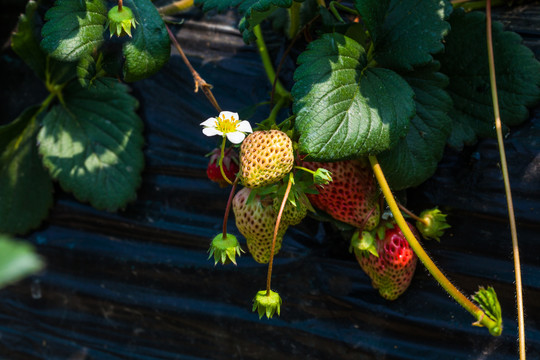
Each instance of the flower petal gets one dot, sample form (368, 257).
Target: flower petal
(210, 131)
(244, 126)
(210, 122)
(236, 137)
(229, 115)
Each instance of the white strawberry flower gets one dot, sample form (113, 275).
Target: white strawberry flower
(227, 124)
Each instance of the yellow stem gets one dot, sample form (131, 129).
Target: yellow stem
(176, 7)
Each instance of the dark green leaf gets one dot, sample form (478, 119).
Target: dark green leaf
(254, 11)
(416, 156)
(17, 260)
(405, 32)
(465, 62)
(89, 69)
(93, 144)
(25, 187)
(150, 47)
(25, 41)
(74, 28)
(344, 108)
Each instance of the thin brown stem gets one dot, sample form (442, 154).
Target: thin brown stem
(276, 229)
(228, 208)
(200, 83)
(120, 5)
(412, 215)
(506, 179)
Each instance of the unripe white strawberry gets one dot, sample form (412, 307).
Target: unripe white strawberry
(265, 158)
(256, 221)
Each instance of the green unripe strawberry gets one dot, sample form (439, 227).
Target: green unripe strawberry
(121, 21)
(292, 214)
(256, 221)
(265, 158)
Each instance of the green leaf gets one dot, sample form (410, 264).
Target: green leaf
(25, 187)
(254, 11)
(74, 28)
(415, 158)
(405, 32)
(17, 260)
(345, 109)
(465, 62)
(25, 41)
(93, 144)
(150, 47)
(89, 69)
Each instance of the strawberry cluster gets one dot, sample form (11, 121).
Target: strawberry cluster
(277, 194)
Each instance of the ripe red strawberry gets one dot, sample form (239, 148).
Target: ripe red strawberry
(230, 166)
(392, 270)
(351, 196)
(256, 221)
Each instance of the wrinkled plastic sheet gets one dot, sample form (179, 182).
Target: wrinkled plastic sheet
(137, 284)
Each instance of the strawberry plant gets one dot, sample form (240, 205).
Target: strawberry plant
(380, 88)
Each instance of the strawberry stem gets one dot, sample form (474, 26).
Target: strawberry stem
(220, 163)
(506, 179)
(267, 64)
(276, 228)
(120, 5)
(199, 81)
(412, 215)
(228, 208)
(424, 257)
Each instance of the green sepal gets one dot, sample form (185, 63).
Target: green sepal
(224, 249)
(322, 176)
(436, 224)
(364, 243)
(487, 299)
(267, 303)
(120, 22)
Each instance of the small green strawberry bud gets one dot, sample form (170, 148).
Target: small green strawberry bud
(267, 303)
(224, 249)
(488, 301)
(433, 224)
(121, 21)
(363, 243)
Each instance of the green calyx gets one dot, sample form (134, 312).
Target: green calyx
(363, 243)
(267, 303)
(224, 249)
(433, 224)
(121, 21)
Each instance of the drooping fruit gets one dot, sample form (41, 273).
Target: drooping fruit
(256, 221)
(392, 270)
(352, 195)
(230, 166)
(265, 158)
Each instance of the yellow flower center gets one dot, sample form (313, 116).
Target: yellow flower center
(226, 125)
